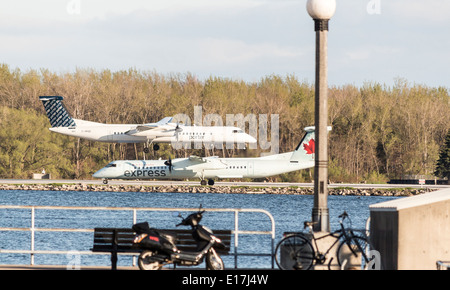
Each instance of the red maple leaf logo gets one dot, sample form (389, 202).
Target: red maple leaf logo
(310, 146)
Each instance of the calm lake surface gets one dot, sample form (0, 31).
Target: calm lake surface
(288, 211)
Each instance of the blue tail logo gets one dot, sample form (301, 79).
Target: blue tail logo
(56, 112)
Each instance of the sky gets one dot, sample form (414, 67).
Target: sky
(370, 41)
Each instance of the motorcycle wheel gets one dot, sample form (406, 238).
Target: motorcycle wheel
(214, 261)
(145, 264)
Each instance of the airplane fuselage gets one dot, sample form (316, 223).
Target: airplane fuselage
(100, 132)
(183, 168)
(120, 133)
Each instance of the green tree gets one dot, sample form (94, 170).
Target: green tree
(443, 163)
(28, 146)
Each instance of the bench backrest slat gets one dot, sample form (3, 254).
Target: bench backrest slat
(103, 239)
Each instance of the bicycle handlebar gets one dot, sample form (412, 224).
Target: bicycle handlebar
(343, 215)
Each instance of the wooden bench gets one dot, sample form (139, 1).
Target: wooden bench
(120, 240)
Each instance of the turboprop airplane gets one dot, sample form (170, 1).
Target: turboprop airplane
(160, 132)
(214, 167)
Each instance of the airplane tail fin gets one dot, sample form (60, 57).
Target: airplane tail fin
(56, 111)
(305, 150)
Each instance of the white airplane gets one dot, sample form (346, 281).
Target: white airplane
(214, 167)
(160, 132)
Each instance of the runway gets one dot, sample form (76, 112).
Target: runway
(218, 183)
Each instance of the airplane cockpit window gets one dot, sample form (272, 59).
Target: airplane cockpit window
(111, 165)
(238, 131)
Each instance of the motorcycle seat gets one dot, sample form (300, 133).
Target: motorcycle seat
(168, 235)
(144, 227)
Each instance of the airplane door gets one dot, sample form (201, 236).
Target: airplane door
(250, 168)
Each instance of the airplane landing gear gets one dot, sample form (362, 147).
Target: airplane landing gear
(210, 182)
(155, 147)
(105, 181)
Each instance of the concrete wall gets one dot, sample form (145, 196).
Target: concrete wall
(412, 232)
(384, 237)
(424, 236)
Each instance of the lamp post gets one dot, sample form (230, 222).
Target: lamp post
(321, 11)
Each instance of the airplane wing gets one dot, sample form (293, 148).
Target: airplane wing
(197, 159)
(159, 126)
(210, 163)
(164, 121)
(142, 128)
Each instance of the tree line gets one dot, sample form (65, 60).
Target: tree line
(379, 132)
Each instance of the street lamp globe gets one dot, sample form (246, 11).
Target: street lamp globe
(321, 9)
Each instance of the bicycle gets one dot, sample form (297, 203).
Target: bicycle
(296, 252)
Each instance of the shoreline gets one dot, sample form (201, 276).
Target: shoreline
(293, 190)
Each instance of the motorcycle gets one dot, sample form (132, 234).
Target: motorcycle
(159, 246)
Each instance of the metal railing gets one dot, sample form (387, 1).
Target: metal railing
(134, 210)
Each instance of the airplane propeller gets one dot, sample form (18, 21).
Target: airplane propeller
(178, 129)
(169, 163)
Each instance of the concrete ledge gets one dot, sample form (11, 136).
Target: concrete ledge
(412, 233)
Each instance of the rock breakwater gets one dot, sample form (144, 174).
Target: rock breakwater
(217, 189)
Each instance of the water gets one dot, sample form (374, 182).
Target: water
(289, 212)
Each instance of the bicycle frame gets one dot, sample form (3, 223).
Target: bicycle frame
(301, 249)
(341, 235)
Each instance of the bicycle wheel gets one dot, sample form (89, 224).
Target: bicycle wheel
(294, 252)
(353, 255)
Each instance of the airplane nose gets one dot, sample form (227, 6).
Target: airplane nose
(251, 139)
(98, 174)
